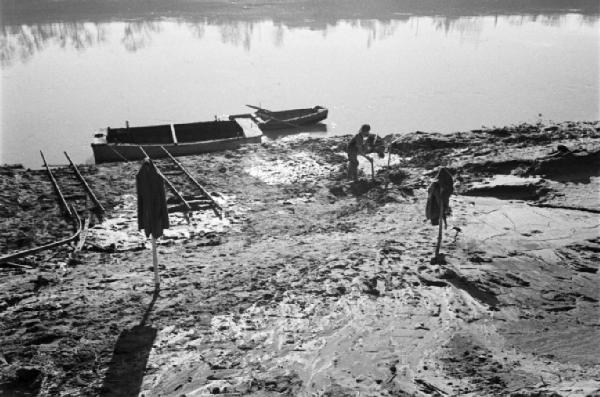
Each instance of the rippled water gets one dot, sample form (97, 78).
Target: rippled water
(63, 80)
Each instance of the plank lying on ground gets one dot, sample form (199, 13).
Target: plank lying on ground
(169, 184)
(194, 181)
(62, 201)
(31, 251)
(99, 208)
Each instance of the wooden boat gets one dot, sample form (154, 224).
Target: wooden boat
(312, 129)
(276, 120)
(123, 144)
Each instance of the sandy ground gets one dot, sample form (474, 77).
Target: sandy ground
(314, 286)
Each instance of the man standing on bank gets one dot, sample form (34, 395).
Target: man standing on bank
(357, 146)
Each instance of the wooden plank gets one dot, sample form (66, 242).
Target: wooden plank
(249, 127)
(15, 265)
(191, 202)
(168, 182)
(117, 153)
(173, 134)
(88, 189)
(76, 196)
(62, 201)
(35, 250)
(172, 173)
(83, 235)
(195, 207)
(194, 181)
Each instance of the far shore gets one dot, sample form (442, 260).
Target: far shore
(292, 11)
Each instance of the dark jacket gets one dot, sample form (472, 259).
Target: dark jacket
(152, 203)
(439, 192)
(356, 145)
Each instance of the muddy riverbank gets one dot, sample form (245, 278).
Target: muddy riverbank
(311, 285)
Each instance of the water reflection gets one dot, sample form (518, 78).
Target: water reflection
(137, 35)
(22, 42)
(239, 33)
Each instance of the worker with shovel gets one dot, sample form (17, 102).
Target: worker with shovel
(358, 146)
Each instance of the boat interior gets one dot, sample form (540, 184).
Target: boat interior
(293, 113)
(176, 133)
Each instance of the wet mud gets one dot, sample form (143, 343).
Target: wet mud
(312, 285)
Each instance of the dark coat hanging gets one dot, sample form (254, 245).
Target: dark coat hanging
(152, 202)
(439, 192)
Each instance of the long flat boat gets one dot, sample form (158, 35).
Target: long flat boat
(123, 144)
(268, 120)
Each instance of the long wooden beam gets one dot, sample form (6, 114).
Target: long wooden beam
(169, 184)
(193, 180)
(99, 208)
(117, 153)
(62, 201)
(20, 254)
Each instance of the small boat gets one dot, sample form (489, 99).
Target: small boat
(312, 129)
(123, 144)
(292, 118)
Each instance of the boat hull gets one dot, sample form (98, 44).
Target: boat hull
(126, 144)
(109, 152)
(289, 119)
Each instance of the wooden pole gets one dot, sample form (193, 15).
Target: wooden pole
(61, 198)
(440, 221)
(390, 150)
(155, 262)
(195, 182)
(117, 153)
(372, 171)
(271, 117)
(20, 254)
(99, 208)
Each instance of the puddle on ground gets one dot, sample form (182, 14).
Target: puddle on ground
(293, 168)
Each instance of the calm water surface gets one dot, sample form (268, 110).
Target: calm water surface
(63, 81)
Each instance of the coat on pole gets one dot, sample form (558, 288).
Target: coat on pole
(152, 203)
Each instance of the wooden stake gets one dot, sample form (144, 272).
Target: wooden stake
(99, 208)
(62, 201)
(155, 262)
(440, 221)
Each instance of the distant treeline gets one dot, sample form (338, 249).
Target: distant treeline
(16, 12)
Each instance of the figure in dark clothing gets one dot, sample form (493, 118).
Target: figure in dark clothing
(152, 203)
(438, 205)
(439, 193)
(438, 197)
(357, 146)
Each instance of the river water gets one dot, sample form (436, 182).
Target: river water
(64, 78)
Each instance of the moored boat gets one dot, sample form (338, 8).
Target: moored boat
(282, 119)
(123, 144)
